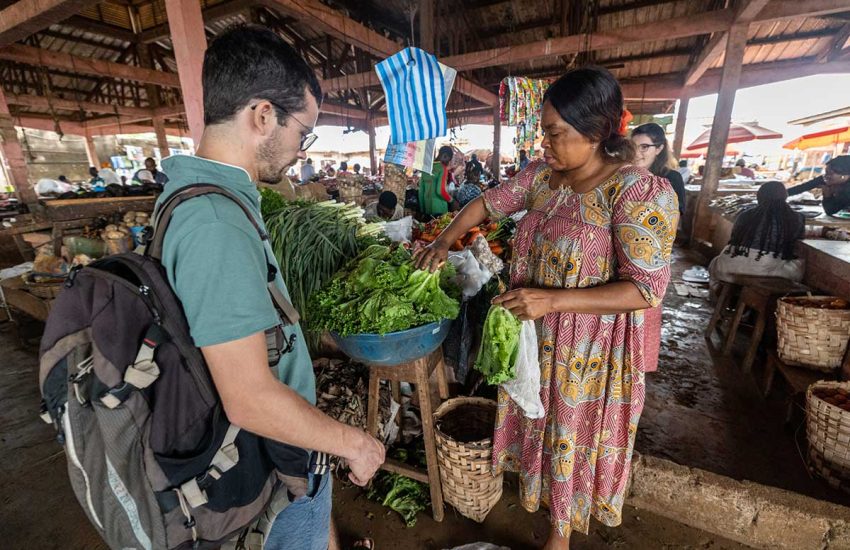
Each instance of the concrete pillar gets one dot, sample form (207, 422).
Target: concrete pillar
(681, 119)
(91, 153)
(373, 153)
(497, 140)
(14, 155)
(426, 25)
(161, 136)
(729, 80)
(186, 25)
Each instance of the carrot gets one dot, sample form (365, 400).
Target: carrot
(496, 249)
(493, 227)
(457, 246)
(427, 237)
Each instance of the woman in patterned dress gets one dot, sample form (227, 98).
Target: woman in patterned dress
(591, 253)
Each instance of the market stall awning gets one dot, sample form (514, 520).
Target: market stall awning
(824, 138)
(738, 133)
(703, 151)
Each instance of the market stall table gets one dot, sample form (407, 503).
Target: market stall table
(827, 265)
(17, 297)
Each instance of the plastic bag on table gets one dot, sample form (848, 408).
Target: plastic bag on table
(400, 231)
(525, 388)
(471, 274)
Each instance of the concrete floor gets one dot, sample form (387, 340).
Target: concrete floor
(700, 412)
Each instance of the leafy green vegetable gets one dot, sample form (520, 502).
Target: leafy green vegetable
(270, 202)
(499, 346)
(381, 291)
(401, 494)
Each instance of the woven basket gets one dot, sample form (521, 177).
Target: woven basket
(47, 290)
(812, 337)
(828, 426)
(464, 430)
(819, 466)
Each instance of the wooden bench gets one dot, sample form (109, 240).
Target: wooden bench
(798, 380)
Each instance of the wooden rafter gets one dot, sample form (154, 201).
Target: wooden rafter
(22, 19)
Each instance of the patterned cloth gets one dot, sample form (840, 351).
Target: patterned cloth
(576, 460)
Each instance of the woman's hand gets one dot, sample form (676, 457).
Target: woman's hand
(432, 257)
(527, 304)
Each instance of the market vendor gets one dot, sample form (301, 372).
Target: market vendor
(434, 195)
(385, 208)
(261, 102)
(592, 252)
(150, 171)
(834, 184)
(763, 240)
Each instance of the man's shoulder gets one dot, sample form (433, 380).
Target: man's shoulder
(209, 216)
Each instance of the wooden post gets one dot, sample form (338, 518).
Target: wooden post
(161, 136)
(426, 25)
(373, 153)
(14, 155)
(497, 140)
(91, 152)
(729, 81)
(187, 34)
(681, 119)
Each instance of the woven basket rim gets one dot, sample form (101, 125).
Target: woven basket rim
(454, 403)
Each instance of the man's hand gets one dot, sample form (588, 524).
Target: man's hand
(527, 304)
(365, 460)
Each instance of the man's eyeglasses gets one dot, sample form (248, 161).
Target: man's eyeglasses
(307, 139)
(644, 147)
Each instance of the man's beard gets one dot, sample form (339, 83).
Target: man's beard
(271, 167)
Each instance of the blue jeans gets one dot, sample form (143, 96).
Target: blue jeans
(305, 523)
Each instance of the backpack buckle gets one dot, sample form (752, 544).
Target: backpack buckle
(146, 235)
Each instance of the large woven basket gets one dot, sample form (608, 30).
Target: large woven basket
(464, 430)
(809, 336)
(828, 425)
(819, 466)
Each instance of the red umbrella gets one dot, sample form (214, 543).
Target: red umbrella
(703, 151)
(738, 133)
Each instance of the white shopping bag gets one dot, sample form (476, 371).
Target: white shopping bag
(525, 388)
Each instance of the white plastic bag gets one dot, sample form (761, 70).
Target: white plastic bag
(471, 274)
(400, 231)
(525, 388)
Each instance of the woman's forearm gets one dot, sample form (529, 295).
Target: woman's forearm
(472, 214)
(607, 299)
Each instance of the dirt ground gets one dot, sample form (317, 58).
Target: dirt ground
(700, 412)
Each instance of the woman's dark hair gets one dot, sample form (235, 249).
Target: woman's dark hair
(249, 62)
(343, 166)
(590, 100)
(446, 150)
(840, 165)
(662, 163)
(771, 228)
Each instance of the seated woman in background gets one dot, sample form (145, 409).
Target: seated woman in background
(653, 153)
(834, 184)
(763, 239)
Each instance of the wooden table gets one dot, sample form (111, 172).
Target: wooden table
(75, 209)
(18, 298)
(827, 265)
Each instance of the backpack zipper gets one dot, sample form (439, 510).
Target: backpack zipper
(71, 450)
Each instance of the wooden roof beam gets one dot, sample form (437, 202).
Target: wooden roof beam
(336, 24)
(22, 19)
(835, 49)
(210, 15)
(41, 102)
(98, 27)
(747, 12)
(38, 57)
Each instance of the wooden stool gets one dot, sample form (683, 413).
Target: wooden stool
(798, 379)
(726, 289)
(417, 373)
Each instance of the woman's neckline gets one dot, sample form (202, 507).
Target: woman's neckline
(569, 190)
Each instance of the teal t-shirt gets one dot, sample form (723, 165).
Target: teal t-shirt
(215, 263)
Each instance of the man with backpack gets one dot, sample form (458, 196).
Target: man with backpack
(261, 101)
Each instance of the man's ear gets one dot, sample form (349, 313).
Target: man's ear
(263, 118)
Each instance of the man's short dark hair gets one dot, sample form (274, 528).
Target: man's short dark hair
(343, 166)
(153, 160)
(387, 199)
(249, 62)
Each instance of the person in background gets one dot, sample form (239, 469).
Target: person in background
(63, 179)
(343, 168)
(123, 180)
(471, 189)
(96, 182)
(763, 240)
(591, 254)
(159, 177)
(385, 208)
(523, 159)
(307, 171)
(473, 164)
(653, 153)
(741, 169)
(685, 171)
(434, 196)
(357, 169)
(834, 184)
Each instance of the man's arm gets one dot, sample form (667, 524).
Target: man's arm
(256, 401)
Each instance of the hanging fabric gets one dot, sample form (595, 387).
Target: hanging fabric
(416, 95)
(520, 105)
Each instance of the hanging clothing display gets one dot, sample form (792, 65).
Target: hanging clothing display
(416, 94)
(520, 104)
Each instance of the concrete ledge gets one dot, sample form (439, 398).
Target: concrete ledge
(749, 513)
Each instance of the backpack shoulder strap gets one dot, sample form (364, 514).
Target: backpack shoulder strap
(162, 218)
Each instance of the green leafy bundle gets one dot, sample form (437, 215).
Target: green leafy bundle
(270, 202)
(499, 346)
(381, 291)
(401, 494)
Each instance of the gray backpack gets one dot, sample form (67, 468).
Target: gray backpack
(152, 458)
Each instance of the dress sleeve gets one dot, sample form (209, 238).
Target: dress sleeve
(512, 196)
(644, 220)
(808, 186)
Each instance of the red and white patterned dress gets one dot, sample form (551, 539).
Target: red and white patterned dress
(576, 459)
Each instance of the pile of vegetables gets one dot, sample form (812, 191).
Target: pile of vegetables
(496, 233)
(381, 291)
(312, 240)
(499, 346)
(401, 494)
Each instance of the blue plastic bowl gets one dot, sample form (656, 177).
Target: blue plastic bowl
(394, 348)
